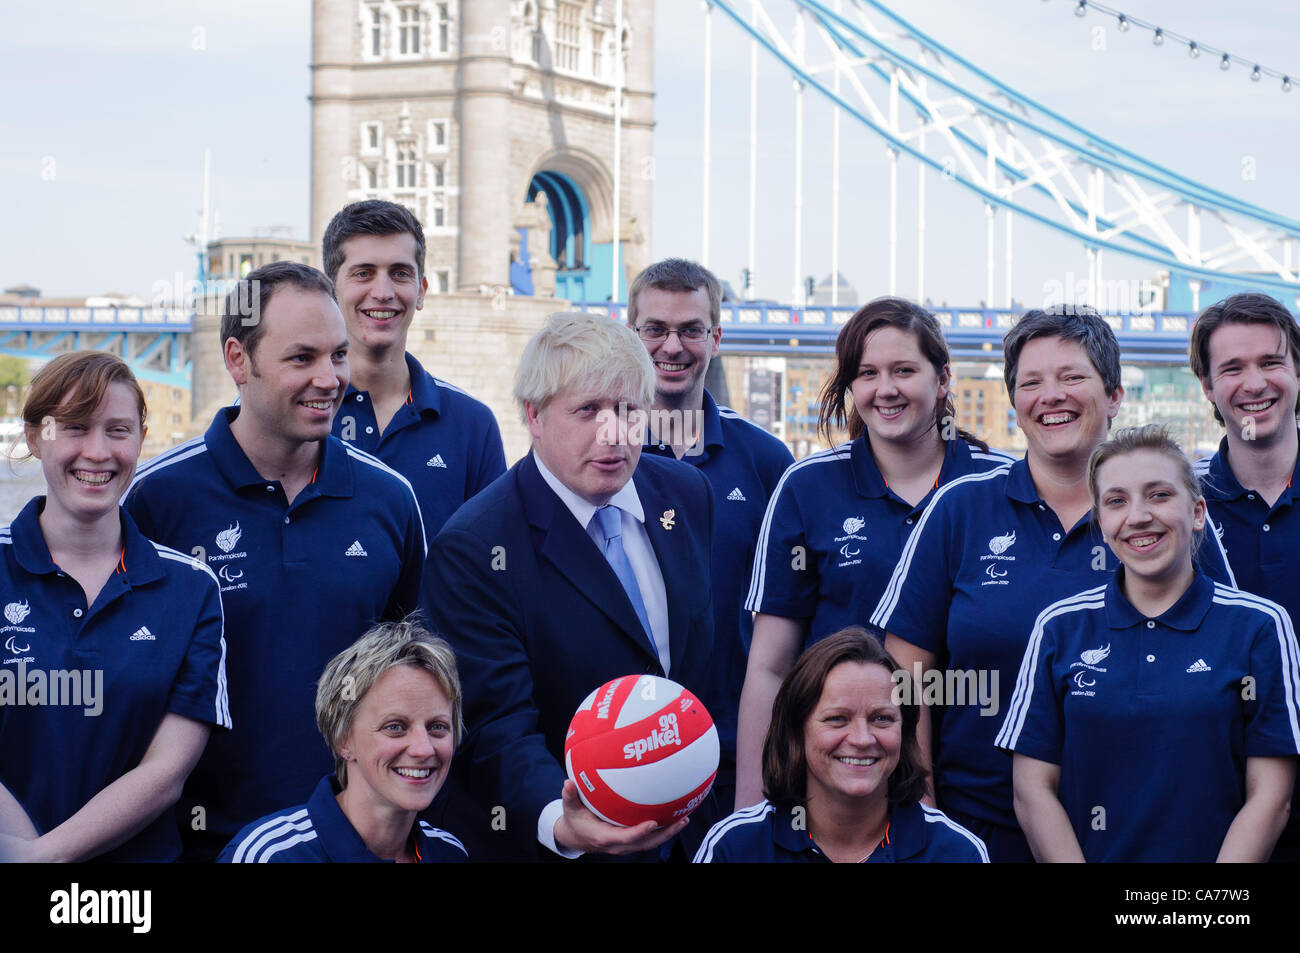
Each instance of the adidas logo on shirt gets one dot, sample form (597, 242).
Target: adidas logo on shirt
(436, 461)
(143, 634)
(736, 495)
(355, 549)
(1198, 666)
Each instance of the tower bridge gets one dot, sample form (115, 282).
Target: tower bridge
(154, 342)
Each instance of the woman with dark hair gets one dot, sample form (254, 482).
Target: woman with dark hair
(1166, 699)
(115, 643)
(841, 771)
(837, 521)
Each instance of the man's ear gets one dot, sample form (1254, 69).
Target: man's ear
(533, 418)
(424, 289)
(238, 361)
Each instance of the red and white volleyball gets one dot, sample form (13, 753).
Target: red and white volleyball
(641, 748)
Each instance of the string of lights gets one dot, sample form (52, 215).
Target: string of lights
(1195, 49)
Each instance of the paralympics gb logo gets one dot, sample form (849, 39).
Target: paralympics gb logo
(227, 538)
(15, 612)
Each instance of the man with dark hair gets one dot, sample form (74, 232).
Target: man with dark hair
(675, 308)
(1245, 351)
(437, 436)
(313, 542)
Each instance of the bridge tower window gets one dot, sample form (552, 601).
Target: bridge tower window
(376, 30)
(408, 30)
(568, 37)
(444, 28)
(597, 53)
(405, 178)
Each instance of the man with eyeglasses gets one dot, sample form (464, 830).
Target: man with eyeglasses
(675, 307)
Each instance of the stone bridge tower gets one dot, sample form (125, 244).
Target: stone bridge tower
(493, 121)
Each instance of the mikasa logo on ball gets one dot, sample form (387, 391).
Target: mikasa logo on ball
(602, 710)
(666, 734)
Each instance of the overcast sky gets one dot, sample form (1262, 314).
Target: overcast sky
(105, 108)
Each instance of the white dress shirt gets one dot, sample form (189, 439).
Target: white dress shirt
(636, 543)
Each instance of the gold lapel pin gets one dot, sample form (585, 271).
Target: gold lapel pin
(667, 520)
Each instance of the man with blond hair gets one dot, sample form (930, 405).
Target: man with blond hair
(585, 562)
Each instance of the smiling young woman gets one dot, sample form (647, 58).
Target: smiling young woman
(1164, 698)
(837, 522)
(138, 627)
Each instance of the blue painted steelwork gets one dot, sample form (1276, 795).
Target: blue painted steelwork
(570, 233)
(96, 319)
(37, 333)
(521, 271)
(972, 333)
(583, 266)
(1151, 172)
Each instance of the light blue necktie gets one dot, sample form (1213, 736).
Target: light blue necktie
(610, 523)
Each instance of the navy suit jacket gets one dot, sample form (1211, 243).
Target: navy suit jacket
(539, 621)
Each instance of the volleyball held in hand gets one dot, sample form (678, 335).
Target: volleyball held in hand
(641, 748)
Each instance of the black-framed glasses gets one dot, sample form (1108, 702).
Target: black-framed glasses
(693, 334)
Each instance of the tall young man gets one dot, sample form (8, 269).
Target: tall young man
(313, 542)
(437, 436)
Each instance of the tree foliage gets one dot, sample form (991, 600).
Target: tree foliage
(13, 371)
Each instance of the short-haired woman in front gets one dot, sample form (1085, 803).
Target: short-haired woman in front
(841, 772)
(127, 636)
(389, 707)
(1154, 718)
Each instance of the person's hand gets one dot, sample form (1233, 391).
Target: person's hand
(579, 829)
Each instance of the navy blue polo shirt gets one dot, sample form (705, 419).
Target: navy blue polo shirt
(299, 582)
(151, 644)
(1261, 542)
(986, 557)
(446, 443)
(1152, 719)
(834, 532)
(765, 834)
(318, 832)
(743, 464)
